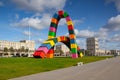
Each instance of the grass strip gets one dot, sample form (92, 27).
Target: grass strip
(16, 67)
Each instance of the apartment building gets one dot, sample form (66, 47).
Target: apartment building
(63, 48)
(115, 52)
(92, 46)
(27, 44)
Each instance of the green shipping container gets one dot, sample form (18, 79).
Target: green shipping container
(65, 14)
(71, 31)
(52, 33)
(74, 50)
(53, 25)
(55, 40)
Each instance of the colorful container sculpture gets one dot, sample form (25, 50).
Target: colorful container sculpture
(47, 48)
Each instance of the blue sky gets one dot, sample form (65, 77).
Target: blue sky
(91, 18)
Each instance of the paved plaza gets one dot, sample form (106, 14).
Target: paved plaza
(108, 69)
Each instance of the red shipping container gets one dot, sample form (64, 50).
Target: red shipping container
(70, 27)
(51, 51)
(60, 12)
(62, 38)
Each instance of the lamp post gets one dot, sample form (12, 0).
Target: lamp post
(29, 41)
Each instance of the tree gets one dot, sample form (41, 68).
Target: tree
(11, 49)
(26, 50)
(22, 49)
(6, 49)
(18, 50)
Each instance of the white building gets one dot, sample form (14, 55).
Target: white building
(92, 46)
(118, 52)
(27, 44)
(104, 52)
(115, 52)
(63, 48)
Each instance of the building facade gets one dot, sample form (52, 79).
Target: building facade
(115, 52)
(92, 46)
(27, 44)
(63, 48)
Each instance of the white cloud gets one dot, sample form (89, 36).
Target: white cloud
(62, 22)
(79, 21)
(102, 33)
(118, 45)
(113, 24)
(77, 41)
(40, 40)
(117, 3)
(36, 23)
(1, 4)
(17, 16)
(37, 14)
(114, 38)
(27, 33)
(81, 43)
(84, 33)
(39, 5)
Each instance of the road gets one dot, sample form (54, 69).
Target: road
(108, 69)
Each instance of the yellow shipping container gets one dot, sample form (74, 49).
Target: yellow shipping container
(58, 39)
(49, 55)
(69, 23)
(73, 45)
(51, 42)
(49, 37)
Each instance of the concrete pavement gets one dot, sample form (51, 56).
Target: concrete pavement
(108, 69)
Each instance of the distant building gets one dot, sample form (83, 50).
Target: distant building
(27, 44)
(118, 52)
(63, 48)
(92, 46)
(115, 52)
(104, 52)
